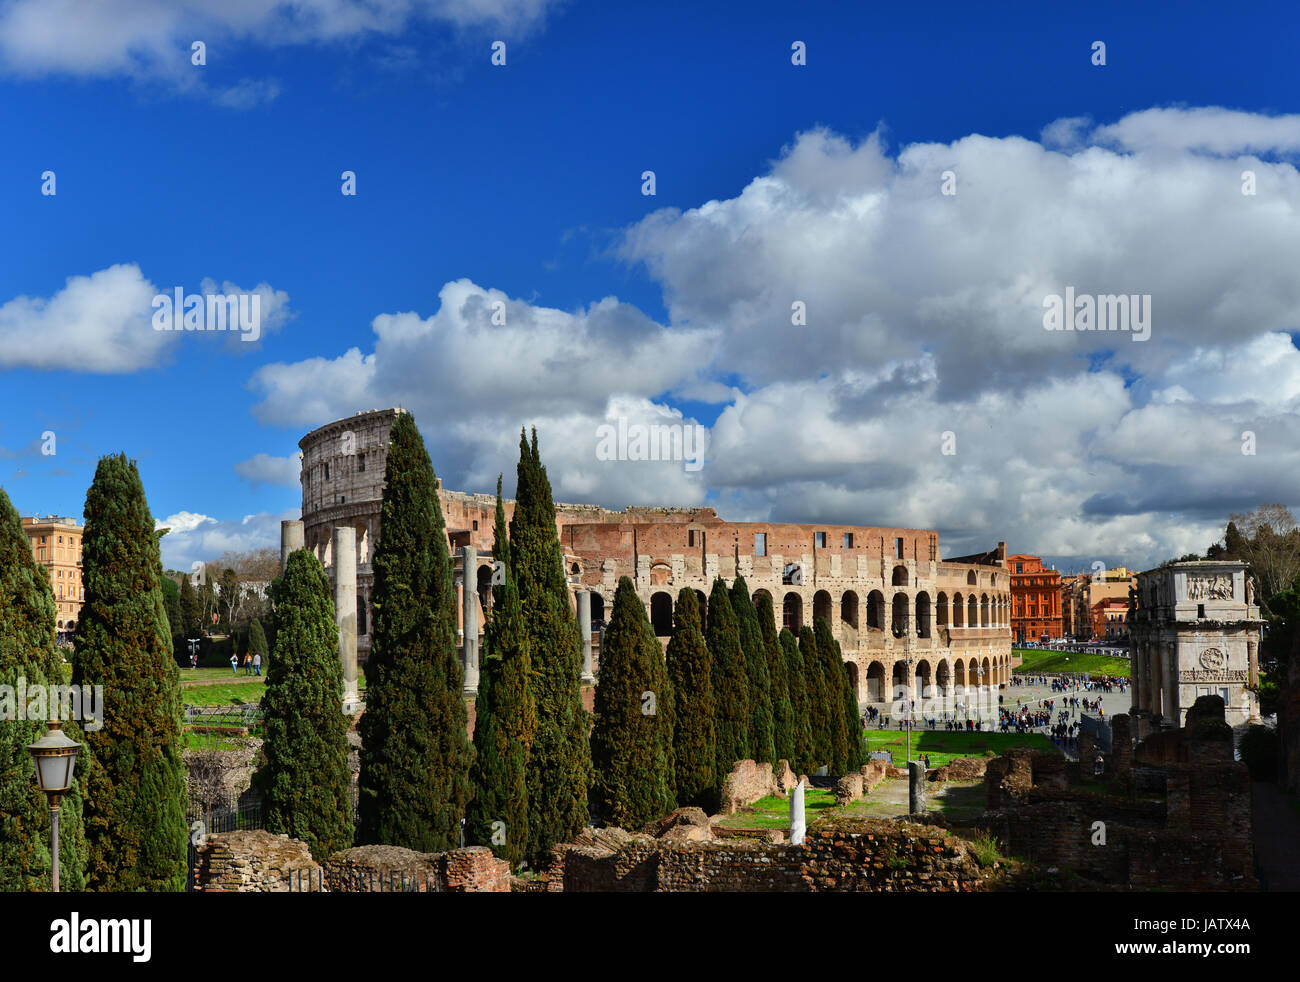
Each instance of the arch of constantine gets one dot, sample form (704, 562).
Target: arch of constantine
(909, 623)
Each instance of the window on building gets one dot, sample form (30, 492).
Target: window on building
(760, 543)
(343, 499)
(361, 466)
(848, 540)
(819, 540)
(690, 538)
(898, 548)
(327, 472)
(1200, 611)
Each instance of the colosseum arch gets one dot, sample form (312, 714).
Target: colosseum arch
(362, 531)
(597, 610)
(899, 577)
(704, 607)
(943, 678)
(792, 612)
(761, 593)
(876, 610)
(901, 685)
(922, 615)
(984, 610)
(822, 607)
(972, 611)
(876, 682)
(924, 682)
(959, 674)
(661, 613)
(958, 611)
(971, 579)
(849, 619)
(852, 668)
(898, 620)
(941, 610)
(988, 672)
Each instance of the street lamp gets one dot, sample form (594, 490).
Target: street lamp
(55, 756)
(907, 712)
(979, 689)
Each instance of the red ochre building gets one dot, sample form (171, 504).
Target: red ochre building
(1035, 599)
(905, 617)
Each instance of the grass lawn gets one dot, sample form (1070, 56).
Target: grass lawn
(1038, 661)
(942, 745)
(239, 691)
(773, 812)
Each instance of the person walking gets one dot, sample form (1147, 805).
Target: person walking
(234, 664)
(257, 664)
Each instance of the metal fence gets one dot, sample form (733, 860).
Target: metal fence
(249, 715)
(228, 816)
(359, 881)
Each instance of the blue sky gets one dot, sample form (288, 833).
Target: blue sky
(526, 179)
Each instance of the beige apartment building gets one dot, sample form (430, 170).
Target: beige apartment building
(56, 544)
(1081, 594)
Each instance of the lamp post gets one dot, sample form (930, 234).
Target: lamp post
(907, 712)
(979, 689)
(56, 757)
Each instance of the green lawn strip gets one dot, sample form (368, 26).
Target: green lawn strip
(943, 745)
(773, 812)
(1039, 661)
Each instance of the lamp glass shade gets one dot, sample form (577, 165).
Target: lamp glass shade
(56, 757)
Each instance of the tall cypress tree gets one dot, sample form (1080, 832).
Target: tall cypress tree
(730, 681)
(28, 652)
(191, 611)
(818, 714)
(134, 809)
(832, 681)
(257, 640)
(801, 719)
(853, 737)
(690, 672)
(415, 755)
(782, 712)
(505, 718)
(631, 742)
(306, 780)
(559, 761)
(760, 683)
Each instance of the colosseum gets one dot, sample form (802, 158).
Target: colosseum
(909, 623)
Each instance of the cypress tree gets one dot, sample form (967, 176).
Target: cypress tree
(801, 723)
(191, 611)
(782, 712)
(28, 651)
(832, 681)
(632, 739)
(559, 761)
(853, 736)
(134, 808)
(818, 715)
(505, 719)
(760, 683)
(306, 780)
(257, 640)
(730, 681)
(690, 673)
(172, 604)
(415, 755)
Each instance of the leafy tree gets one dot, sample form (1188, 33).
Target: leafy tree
(783, 733)
(731, 679)
(632, 740)
(690, 673)
(796, 674)
(1270, 542)
(134, 808)
(191, 608)
(28, 652)
(760, 683)
(559, 762)
(306, 780)
(505, 720)
(819, 719)
(415, 755)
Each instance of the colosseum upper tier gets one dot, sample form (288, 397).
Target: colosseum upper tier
(903, 616)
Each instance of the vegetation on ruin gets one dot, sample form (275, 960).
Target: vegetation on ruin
(761, 744)
(505, 719)
(730, 681)
(27, 650)
(690, 673)
(632, 739)
(415, 754)
(559, 761)
(135, 794)
(1041, 661)
(783, 724)
(305, 780)
(801, 724)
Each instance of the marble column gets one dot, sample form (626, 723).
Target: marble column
(345, 609)
(291, 538)
(1252, 678)
(1172, 713)
(469, 600)
(584, 624)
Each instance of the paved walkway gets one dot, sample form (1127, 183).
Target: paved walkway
(1277, 838)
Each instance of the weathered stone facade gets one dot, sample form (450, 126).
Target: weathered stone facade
(910, 624)
(1195, 632)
